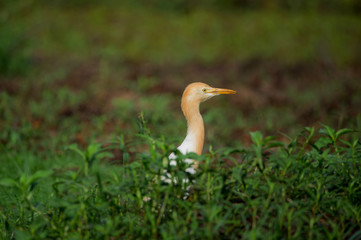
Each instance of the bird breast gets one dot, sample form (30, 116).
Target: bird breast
(190, 144)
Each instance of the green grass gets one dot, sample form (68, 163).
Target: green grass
(206, 36)
(89, 112)
(306, 188)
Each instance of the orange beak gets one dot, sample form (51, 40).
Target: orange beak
(221, 91)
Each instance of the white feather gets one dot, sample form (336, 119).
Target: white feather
(187, 146)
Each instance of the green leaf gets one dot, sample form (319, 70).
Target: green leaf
(343, 131)
(355, 143)
(23, 179)
(75, 148)
(8, 182)
(256, 138)
(275, 144)
(38, 175)
(329, 132)
(105, 155)
(322, 142)
(268, 138)
(92, 149)
(346, 143)
(310, 129)
(135, 165)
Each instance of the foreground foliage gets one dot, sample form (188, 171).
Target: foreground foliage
(304, 189)
(80, 71)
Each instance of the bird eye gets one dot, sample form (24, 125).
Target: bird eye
(204, 90)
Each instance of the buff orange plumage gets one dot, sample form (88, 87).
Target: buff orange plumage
(193, 95)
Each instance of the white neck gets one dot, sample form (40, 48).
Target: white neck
(195, 132)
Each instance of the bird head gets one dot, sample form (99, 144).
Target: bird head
(200, 92)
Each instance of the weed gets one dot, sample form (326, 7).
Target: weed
(281, 190)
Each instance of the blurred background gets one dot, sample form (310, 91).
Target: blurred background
(81, 71)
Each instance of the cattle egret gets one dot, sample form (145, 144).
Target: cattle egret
(193, 95)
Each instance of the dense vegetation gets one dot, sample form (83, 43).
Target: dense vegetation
(89, 112)
(309, 188)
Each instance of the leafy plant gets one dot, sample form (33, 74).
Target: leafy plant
(275, 189)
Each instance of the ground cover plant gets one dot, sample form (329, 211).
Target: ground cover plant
(89, 112)
(306, 189)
